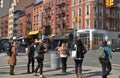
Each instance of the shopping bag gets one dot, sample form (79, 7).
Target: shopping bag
(74, 54)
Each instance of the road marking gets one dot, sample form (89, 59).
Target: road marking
(117, 65)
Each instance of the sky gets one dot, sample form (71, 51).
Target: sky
(38, 1)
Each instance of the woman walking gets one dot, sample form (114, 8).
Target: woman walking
(30, 57)
(63, 56)
(40, 58)
(79, 58)
(12, 59)
(105, 59)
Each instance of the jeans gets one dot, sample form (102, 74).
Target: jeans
(78, 66)
(64, 63)
(40, 65)
(106, 67)
(28, 65)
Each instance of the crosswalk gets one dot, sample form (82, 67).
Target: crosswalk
(116, 66)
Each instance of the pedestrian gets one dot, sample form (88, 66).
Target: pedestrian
(12, 59)
(63, 56)
(31, 60)
(81, 50)
(105, 59)
(41, 49)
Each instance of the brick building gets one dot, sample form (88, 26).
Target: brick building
(25, 22)
(56, 16)
(4, 26)
(4, 9)
(95, 22)
(16, 5)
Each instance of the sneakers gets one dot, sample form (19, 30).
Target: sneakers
(42, 76)
(35, 74)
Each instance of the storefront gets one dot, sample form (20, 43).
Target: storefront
(93, 38)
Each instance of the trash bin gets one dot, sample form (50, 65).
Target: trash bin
(55, 60)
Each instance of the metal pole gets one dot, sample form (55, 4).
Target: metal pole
(74, 33)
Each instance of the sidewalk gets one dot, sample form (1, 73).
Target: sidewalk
(88, 72)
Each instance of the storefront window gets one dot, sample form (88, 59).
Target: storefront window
(84, 38)
(98, 38)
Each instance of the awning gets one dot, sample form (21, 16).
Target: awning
(33, 32)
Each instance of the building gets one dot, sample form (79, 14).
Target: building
(37, 20)
(25, 22)
(4, 9)
(56, 17)
(16, 5)
(4, 26)
(17, 15)
(95, 22)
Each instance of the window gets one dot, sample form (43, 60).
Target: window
(79, 1)
(101, 24)
(87, 9)
(84, 37)
(118, 1)
(95, 23)
(79, 12)
(101, 11)
(79, 25)
(74, 2)
(73, 14)
(87, 23)
(98, 38)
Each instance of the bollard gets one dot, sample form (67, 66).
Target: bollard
(55, 60)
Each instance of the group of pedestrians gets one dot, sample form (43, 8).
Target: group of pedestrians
(64, 53)
(78, 60)
(40, 49)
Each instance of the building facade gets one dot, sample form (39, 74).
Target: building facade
(95, 22)
(56, 17)
(16, 5)
(25, 22)
(4, 26)
(4, 7)
(37, 16)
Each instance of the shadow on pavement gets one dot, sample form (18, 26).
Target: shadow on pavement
(4, 73)
(91, 74)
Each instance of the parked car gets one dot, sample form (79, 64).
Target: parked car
(116, 49)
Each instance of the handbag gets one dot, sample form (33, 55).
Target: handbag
(74, 54)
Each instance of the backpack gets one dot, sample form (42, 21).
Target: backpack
(9, 52)
(101, 52)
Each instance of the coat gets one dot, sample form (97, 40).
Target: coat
(12, 59)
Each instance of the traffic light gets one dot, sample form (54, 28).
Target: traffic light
(107, 3)
(78, 19)
(112, 3)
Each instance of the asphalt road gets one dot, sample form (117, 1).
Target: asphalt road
(89, 60)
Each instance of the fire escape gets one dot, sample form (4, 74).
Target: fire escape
(28, 24)
(47, 19)
(62, 17)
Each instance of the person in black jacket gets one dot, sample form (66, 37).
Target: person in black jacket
(41, 49)
(79, 58)
(30, 57)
